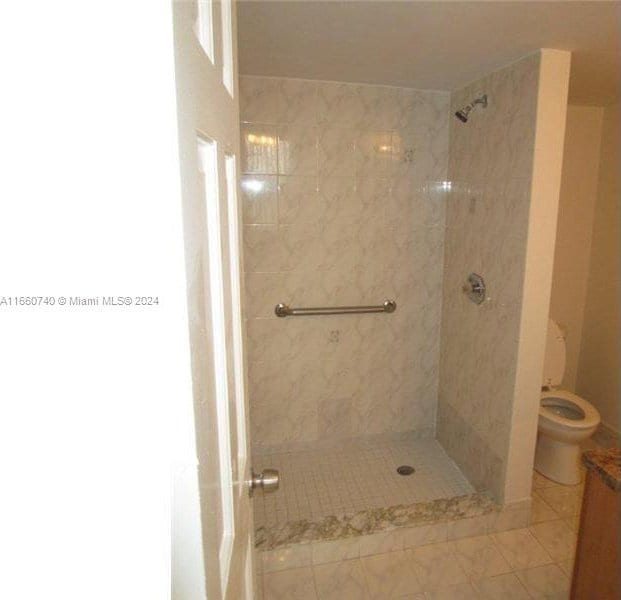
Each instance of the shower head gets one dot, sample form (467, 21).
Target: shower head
(462, 113)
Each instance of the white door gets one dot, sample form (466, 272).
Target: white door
(206, 79)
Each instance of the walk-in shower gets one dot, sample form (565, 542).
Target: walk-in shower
(345, 195)
(382, 416)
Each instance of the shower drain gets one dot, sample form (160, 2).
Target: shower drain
(405, 470)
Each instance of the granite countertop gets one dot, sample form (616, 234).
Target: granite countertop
(607, 464)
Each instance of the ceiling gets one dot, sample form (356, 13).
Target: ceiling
(429, 45)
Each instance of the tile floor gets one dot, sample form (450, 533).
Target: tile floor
(529, 563)
(320, 483)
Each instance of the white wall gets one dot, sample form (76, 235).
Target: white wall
(542, 222)
(598, 369)
(585, 296)
(575, 226)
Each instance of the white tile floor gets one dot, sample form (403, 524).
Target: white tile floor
(320, 483)
(532, 563)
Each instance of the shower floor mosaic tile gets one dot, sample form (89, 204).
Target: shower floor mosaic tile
(315, 484)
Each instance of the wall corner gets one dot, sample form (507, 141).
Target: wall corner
(542, 221)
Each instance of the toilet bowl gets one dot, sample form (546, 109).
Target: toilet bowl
(565, 419)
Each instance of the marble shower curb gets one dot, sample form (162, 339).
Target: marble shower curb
(375, 531)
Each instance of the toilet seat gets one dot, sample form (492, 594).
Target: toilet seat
(591, 416)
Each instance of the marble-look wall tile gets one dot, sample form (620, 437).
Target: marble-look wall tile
(277, 100)
(297, 149)
(461, 441)
(335, 417)
(340, 200)
(259, 199)
(336, 147)
(340, 104)
(486, 216)
(275, 423)
(264, 250)
(259, 148)
(374, 153)
(344, 203)
(298, 200)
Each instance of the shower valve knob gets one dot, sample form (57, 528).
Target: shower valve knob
(475, 288)
(268, 480)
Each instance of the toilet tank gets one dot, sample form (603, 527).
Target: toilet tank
(554, 361)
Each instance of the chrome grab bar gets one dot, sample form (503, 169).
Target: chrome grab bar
(282, 310)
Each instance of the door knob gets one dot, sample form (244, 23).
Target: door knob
(268, 480)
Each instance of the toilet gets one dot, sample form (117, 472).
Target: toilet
(565, 420)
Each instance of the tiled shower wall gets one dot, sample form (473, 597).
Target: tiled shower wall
(344, 204)
(490, 168)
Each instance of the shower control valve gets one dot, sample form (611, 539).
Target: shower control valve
(475, 288)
